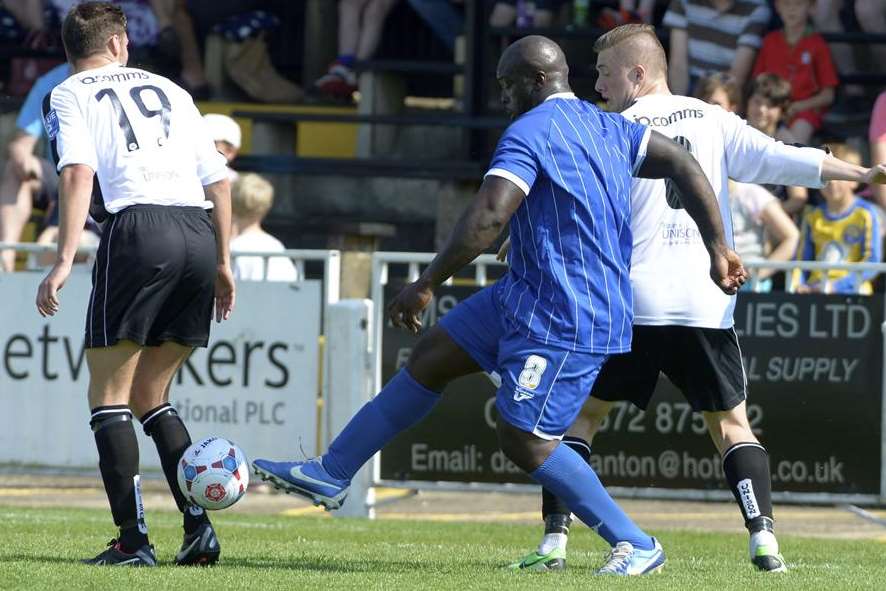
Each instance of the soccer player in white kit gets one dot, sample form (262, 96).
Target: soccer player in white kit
(683, 324)
(162, 265)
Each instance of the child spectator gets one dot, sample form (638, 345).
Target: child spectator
(877, 137)
(251, 200)
(225, 132)
(758, 222)
(801, 56)
(769, 99)
(719, 89)
(843, 229)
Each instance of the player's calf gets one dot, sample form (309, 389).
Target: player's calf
(165, 427)
(118, 463)
(551, 551)
(746, 466)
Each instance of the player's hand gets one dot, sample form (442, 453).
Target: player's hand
(503, 250)
(876, 175)
(405, 310)
(47, 294)
(727, 270)
(224, 292)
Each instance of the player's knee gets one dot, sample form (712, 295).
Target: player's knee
(428, 363)
(526, 450)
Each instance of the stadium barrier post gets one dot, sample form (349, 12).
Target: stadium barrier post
(348, 345)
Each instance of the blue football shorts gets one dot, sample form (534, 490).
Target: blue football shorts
(542, 388)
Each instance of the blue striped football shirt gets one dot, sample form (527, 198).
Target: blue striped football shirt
(568, 284)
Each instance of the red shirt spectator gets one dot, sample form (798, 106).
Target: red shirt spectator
(806, 65)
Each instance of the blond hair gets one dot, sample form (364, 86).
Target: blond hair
(644, 36)
(251, 196)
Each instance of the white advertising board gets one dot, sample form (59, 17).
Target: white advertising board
(256, 384)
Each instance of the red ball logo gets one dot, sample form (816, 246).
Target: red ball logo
(215, 493)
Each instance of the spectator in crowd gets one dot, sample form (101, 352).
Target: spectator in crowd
(28, 180)
(713, 36)
(758, 221)
(871, 16)
(360, 24)
(877, 137)
(843, 229)
(505, 13)
(251, 200)
(800, 55)
(629, 11)
(768, 101)
(443, 17)
(225, 132)
(719, 89)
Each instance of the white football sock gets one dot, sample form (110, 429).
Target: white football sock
(551, 541)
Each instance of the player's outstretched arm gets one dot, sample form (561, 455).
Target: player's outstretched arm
(477, 228)
(667, 159)
(834, 169)
(220, 194)
(75, 191)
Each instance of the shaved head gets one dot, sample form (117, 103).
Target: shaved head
(530, 70)
(534, 54)
(636, 45)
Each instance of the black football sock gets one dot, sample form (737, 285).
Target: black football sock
(118, 463)
(554, 511)
(550, 504)
(171, 437)
(746, 466)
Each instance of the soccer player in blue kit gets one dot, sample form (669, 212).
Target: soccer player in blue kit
(561, 176)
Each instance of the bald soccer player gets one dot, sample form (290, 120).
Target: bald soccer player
(682, 323)
(560, 176)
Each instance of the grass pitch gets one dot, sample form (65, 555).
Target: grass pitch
(40, 549)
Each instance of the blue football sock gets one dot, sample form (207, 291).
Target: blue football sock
(401, 403)
(347, 60)
(569, 477)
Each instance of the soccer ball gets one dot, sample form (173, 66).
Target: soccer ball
(213, 474)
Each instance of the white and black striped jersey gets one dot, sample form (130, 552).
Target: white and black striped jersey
(139, 132)
(669, 264)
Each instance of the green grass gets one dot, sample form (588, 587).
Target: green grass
(39, 549)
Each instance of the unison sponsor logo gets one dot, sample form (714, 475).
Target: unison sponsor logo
(748, 499)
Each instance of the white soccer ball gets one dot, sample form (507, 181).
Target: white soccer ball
(213, 473)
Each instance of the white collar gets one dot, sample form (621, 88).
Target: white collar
(561, 95)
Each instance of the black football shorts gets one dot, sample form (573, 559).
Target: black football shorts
(154, 278)
(704, 363)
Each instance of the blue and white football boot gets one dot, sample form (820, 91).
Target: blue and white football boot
(625, 560)
(308, 479)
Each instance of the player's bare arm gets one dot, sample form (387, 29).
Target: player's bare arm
(834, 169)
(480, 224)
(75, 190)
(220, 195)
(666, 158)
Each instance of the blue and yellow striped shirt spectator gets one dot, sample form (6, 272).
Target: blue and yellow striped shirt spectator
(849, 237)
